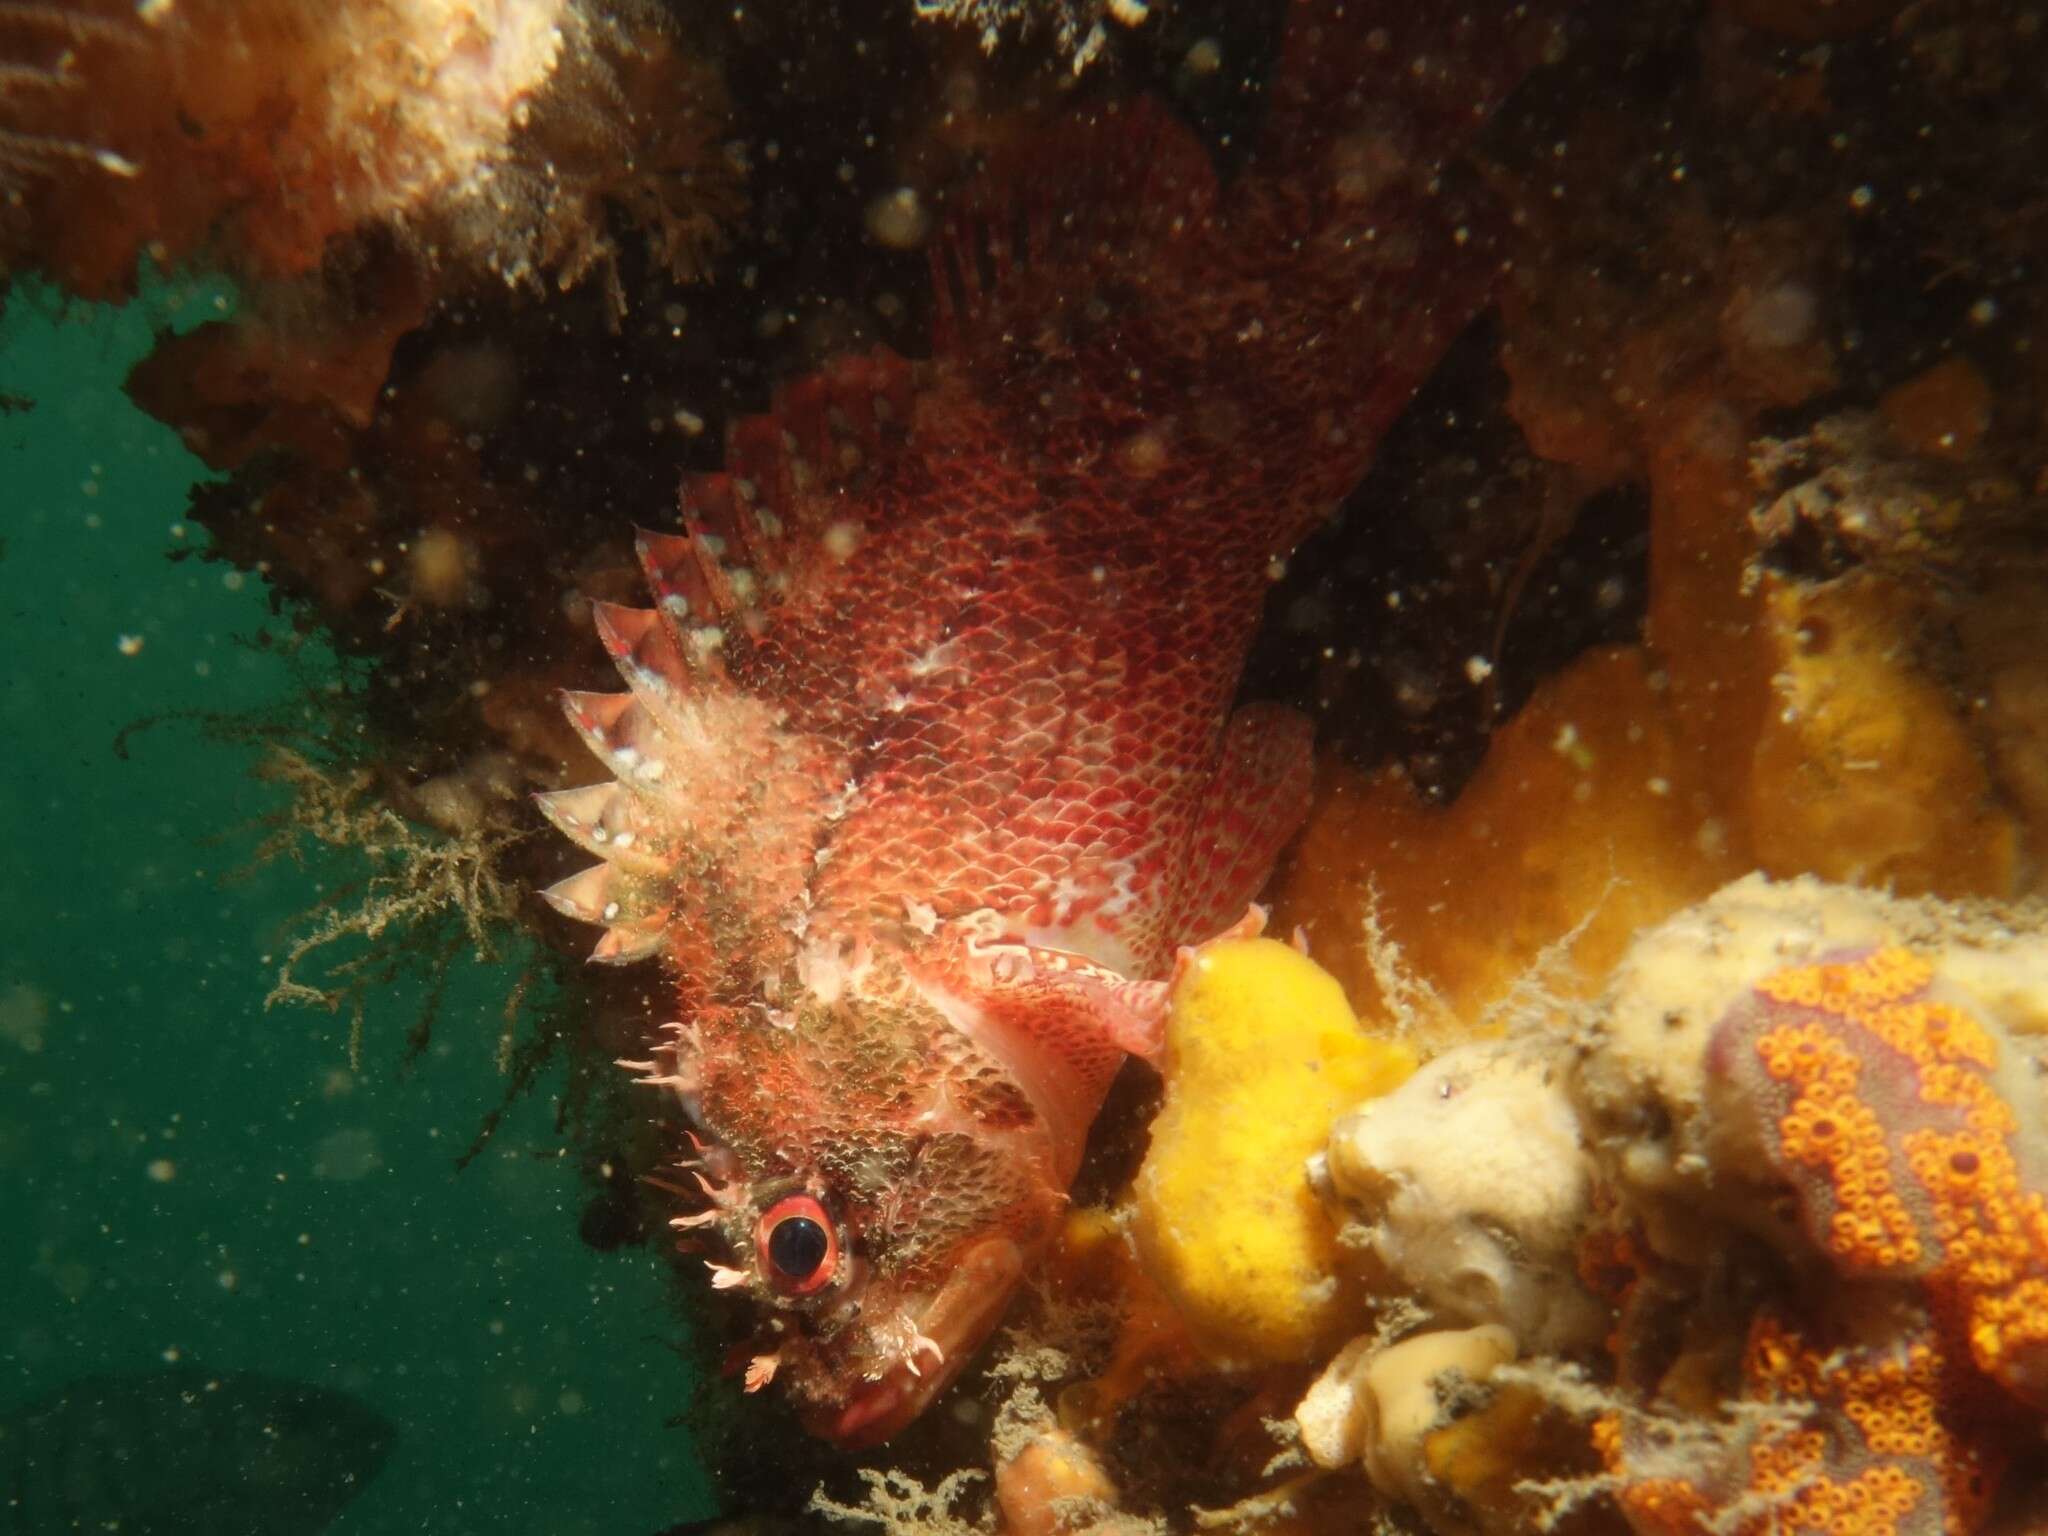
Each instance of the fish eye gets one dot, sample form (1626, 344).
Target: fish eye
(798, 1248)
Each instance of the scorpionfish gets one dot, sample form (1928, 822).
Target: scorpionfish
(927, 767)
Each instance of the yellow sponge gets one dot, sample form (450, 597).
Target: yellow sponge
(1262, 1054)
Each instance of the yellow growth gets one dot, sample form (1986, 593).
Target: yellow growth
(1262, 1053)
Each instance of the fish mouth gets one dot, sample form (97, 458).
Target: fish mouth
(957, 1319)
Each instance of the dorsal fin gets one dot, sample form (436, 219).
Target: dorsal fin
(717, 799)
(1427, 74)
(824, 429)
(675, 567)
(1085, 196)
(775, 528)
(758, 534)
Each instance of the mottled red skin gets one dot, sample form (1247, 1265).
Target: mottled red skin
(948, 764)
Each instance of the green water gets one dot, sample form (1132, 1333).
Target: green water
(184, 1175)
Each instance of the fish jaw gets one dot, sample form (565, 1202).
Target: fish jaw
(950, 1328)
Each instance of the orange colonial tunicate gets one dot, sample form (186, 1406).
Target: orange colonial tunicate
(1892, 1128)
(1866, 1445)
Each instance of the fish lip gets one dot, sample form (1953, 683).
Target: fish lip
(957, 1319)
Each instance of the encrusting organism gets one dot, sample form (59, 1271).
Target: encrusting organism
(1767, 1217)
(1076, 25)
(1489, 1237)
(1860, 1435)
(38, 62)
(266, 136)
(1900, 1120)
(363, 112)
(1865, 1086)
(1261, 1053)
(1851, 1081)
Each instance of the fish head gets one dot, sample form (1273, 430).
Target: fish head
(876, 1181)
(864, 1332)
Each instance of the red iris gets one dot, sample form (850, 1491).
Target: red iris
(799, 1251)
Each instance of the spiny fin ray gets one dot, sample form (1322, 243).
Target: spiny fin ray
(611, 822)
(650, 656)
(623, 736)
(633, 913)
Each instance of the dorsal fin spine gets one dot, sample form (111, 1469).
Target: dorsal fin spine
(607, 820)
(670, 565)
(1122, 179)
(648, 653)
(752, 529)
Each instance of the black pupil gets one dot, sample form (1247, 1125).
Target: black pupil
(797, 1247)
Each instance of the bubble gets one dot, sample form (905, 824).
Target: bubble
(474, 386)
(347, 1156)
(440, 562)
(24, 1016)
(1781, 317)
(899, 220)
(1144, 453)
